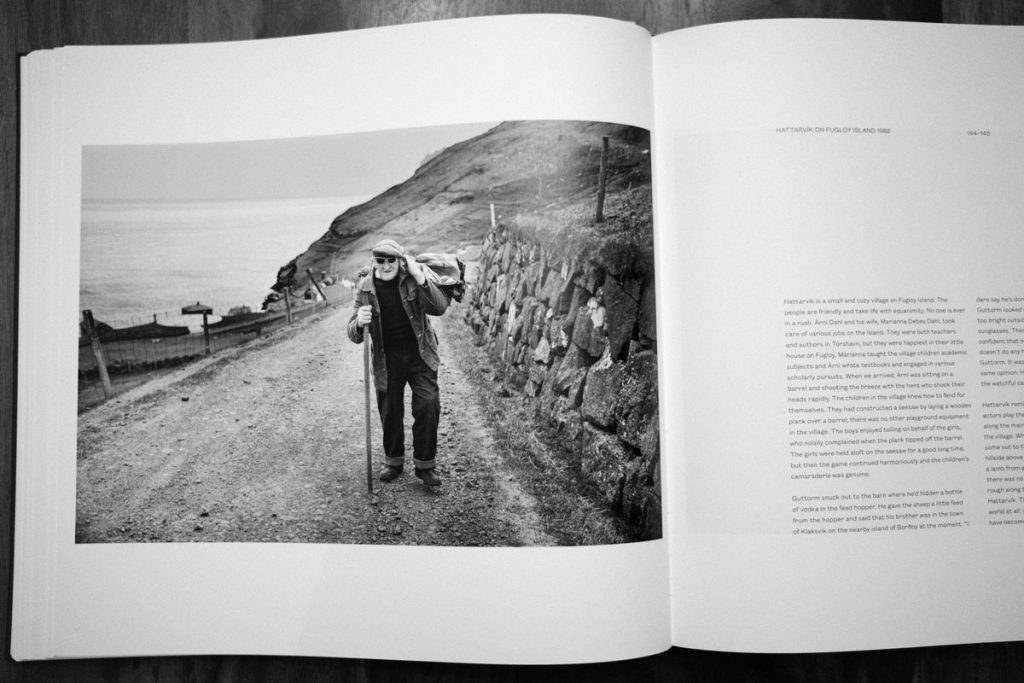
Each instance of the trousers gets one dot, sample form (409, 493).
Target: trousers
(406, 367)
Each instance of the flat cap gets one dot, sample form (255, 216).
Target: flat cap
(388, 248)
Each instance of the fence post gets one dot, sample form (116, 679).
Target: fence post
(317, 285)
(206, 332)
(288, 304)
(602, 181)
(97, 352)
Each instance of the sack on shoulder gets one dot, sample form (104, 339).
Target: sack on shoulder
(447, 271)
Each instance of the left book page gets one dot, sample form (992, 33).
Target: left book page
(110, 111)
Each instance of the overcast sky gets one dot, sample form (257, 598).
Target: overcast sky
(361, 164)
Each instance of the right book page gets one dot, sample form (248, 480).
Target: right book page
(841, 221)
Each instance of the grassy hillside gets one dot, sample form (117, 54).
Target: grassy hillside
(525, 168)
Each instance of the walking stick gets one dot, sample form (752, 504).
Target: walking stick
(366, 385)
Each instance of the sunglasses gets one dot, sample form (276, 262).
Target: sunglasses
(381, 260)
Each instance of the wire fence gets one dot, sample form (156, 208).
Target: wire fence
(134, 355)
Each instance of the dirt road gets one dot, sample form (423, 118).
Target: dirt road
(267, 442)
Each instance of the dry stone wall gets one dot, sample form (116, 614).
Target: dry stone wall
(579, 339)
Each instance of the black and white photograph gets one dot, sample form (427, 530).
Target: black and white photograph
(373, 380)
(435, 336)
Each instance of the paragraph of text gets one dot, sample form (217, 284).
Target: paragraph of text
(873, 512)
(874, 383)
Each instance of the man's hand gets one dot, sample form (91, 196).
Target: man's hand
(414, 269)
(364, 315)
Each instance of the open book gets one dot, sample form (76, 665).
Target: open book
(840, 332)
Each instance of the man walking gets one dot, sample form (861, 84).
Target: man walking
(394, 300)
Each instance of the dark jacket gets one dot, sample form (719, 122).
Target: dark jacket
(419, 301)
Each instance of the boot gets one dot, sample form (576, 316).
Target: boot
(428, 477)
(390, 472)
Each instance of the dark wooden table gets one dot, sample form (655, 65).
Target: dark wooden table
(27, 25)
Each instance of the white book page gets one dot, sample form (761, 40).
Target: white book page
(523, 605)
(839, 212)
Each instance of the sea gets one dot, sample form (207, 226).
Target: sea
(142, 262)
